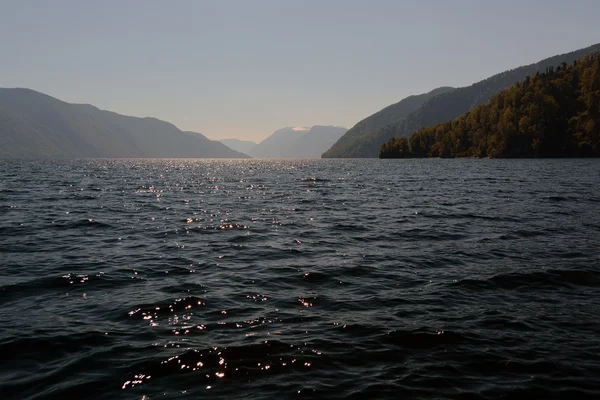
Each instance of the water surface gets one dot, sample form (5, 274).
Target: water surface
(334, 279)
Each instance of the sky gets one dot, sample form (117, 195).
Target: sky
(242, 69)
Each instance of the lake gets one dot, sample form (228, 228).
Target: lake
(273, 279)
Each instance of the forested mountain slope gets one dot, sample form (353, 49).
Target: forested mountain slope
(553, 114)
(450, 105)
(357, 138)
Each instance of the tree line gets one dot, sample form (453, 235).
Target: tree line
(552, 114)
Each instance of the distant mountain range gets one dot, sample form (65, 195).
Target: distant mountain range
(365, 138)
(298, 142)
(243, 146)
(33, 125)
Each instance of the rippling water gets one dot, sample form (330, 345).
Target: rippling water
(259, 279)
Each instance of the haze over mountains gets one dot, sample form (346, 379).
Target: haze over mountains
(365, 138)
(243, 146)
(298, 142)
(33, 124)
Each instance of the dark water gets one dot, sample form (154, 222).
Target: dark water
(331, 279)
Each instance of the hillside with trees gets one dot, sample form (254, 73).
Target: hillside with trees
(447, 106)
(551, 114)
(359, 137)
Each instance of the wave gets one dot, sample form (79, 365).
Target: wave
(548, 278)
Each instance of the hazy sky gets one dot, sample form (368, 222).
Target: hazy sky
(244, 68)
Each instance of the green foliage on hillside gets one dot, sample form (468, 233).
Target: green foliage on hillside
(553, 114)
(450, 105)
(357, 139)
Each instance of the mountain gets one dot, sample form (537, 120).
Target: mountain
(357, 140)
(298, 142)
(33, 124)
(278, 145)
(243, 146)
(553, 114)
(447, 106)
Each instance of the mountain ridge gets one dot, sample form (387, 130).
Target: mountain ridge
(34, 124)
(290, 142)
(452, 104)
(381, 118)
(553, 114)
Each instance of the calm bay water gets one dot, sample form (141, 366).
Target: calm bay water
(255, 279)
